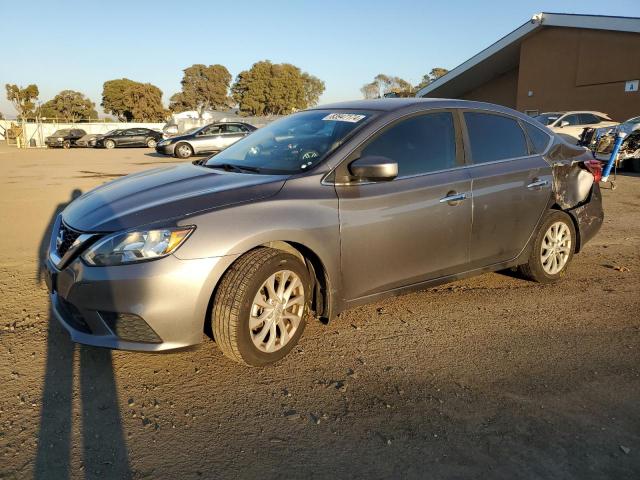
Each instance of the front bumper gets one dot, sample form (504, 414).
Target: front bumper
(166, 149)
(165, 301)
(53, 143)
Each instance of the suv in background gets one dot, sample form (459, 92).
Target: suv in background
(65, 138)
(569, 125)
(211, 138)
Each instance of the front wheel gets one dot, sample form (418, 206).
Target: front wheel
(260, 307)
(183, 150)
(109, 144)
(552, 249)
(66, 144)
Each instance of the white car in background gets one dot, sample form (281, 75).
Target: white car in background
(569, 125)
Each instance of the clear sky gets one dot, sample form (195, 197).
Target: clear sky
(79, 44)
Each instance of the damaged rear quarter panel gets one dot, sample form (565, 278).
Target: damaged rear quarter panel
(575, 190)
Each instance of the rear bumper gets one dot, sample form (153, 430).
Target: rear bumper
(589, 216)
(162, 304)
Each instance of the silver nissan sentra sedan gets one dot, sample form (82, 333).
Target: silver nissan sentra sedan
(320, 211)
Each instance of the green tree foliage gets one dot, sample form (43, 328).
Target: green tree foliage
(387, 85)
(129, 100)
(432, 76)
(275, 89)
(70, 105)
(203, 87)
(22, 99)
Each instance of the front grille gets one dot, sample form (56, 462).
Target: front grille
(130, 327)
(72, 316)
(65, 238)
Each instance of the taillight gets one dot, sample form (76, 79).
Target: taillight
(595, 167)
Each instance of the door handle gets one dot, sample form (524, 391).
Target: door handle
(453, 198)
(538, 183)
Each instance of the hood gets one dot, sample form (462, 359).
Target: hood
(182, 136)
(164, 194)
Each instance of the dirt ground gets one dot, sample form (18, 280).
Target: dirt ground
(492, 377)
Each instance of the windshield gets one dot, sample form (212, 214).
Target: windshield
(548, 118)
(61, 133)
(292, 144)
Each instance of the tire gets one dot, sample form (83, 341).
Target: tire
(634, 164)
(151, 143)
(183, 150)
(109, 144)
(234, 311)
(66, 144)
(550, 270)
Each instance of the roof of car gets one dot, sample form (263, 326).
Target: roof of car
(575, 111)
(393, 104)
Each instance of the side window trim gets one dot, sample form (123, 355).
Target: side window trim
(467, 141)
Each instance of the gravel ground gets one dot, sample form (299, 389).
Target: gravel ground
(491, 377)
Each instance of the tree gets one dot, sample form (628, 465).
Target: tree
(387, 85)
(432, 76)
(22, 99)
(129, 100)
(70, 105)
(275, 89)
(1, 116)
(203, 88)
(370, 90)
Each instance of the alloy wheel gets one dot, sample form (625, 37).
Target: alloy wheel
(556, 248)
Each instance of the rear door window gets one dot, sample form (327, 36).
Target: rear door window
(588, 119)
(231, 128)
(494, 137)
(421, 144)
(539, 139)
(571, 120)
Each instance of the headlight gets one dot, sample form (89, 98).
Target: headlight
(136, 246)
(162, 143)
(60, 139)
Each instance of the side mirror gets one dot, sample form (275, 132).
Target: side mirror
(563, 124)
(374, 168)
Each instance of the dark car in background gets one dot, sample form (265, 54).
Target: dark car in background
(129, 137)
(65, 138)
(211, 138)
(399, 194)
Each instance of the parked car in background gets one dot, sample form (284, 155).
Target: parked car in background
(65, 138)
(399, 195)
(601, 141)
(569, 125)
(129, 137)
(208, 139)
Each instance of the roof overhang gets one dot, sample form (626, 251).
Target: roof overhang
(504, 55)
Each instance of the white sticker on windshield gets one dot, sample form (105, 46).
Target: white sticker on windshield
(344, 117)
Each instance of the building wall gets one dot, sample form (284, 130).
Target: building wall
(501, 90)
(579, 69)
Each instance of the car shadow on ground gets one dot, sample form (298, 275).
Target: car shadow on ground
(104, 450)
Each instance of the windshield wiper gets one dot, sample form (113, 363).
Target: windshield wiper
(230, 167)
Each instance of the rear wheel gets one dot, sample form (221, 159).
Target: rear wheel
(552, 250)
(151, 143)
(109, 144)
(634, 164)
(183, 150)
(260, 307)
